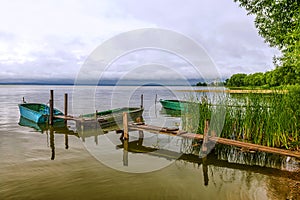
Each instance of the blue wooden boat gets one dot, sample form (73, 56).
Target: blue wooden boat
(37, 112)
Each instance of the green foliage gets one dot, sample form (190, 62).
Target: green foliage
(279, 76)
(275, 19)
(256, 79)
(236, 80)
(278, 22)
(201, 84)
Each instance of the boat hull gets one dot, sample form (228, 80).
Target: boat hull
(113, 117)
(174, 104)
(38, 113)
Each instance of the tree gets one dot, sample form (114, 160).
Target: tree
(236, 80)
(256, 79)
(201, 84)
(278, 22)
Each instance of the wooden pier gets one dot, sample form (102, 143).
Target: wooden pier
(212, 138)
(244, 145)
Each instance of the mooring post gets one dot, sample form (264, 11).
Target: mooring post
(205, 137)
(66, 107)
(125, 125)
(96, 114)
(142, 100)
(51, 104)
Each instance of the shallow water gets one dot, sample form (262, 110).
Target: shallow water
(54, 165)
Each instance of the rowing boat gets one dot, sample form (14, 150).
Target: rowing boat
(114, 116)
(174, 104)
(37, 112)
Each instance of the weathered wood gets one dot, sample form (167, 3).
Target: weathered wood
(125, 125)
(248, 146)
(205, 137)
(51, 105)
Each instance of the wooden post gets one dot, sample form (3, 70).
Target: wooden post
(66, 107)
(51, 104)
(142, 100)
(96, 114)
(125, 125)
(205, 137)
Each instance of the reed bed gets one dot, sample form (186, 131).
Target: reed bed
(267, 119)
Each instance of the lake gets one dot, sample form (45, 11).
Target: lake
(37, 163)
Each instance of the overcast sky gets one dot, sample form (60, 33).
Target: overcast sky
(52, 38)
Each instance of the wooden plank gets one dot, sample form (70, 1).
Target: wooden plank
(248, 146)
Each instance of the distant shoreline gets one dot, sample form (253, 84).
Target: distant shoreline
(72, 84)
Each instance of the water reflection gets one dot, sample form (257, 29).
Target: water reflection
(57, 128)
(211, 172)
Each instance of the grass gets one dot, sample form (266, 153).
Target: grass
(271, 119)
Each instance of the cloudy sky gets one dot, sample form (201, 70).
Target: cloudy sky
(51, 39)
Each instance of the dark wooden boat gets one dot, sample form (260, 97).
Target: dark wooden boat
(114, 116)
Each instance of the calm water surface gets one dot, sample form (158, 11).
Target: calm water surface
(36, 163)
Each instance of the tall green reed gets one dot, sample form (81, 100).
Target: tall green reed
(266, 119)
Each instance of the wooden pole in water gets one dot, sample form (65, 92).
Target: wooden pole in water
(205, 137)
(66, 107)
(125, 125)
(51, 104)
(96, 113)
(142, 100)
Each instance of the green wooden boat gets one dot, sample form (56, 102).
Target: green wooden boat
(174, 104)
(114, 116)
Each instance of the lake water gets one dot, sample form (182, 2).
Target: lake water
(36, 163)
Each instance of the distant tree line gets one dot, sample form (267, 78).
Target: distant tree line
(279, 76)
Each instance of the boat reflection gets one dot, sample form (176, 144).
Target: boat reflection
(57, 128)
(94, 129)
(170, 113)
